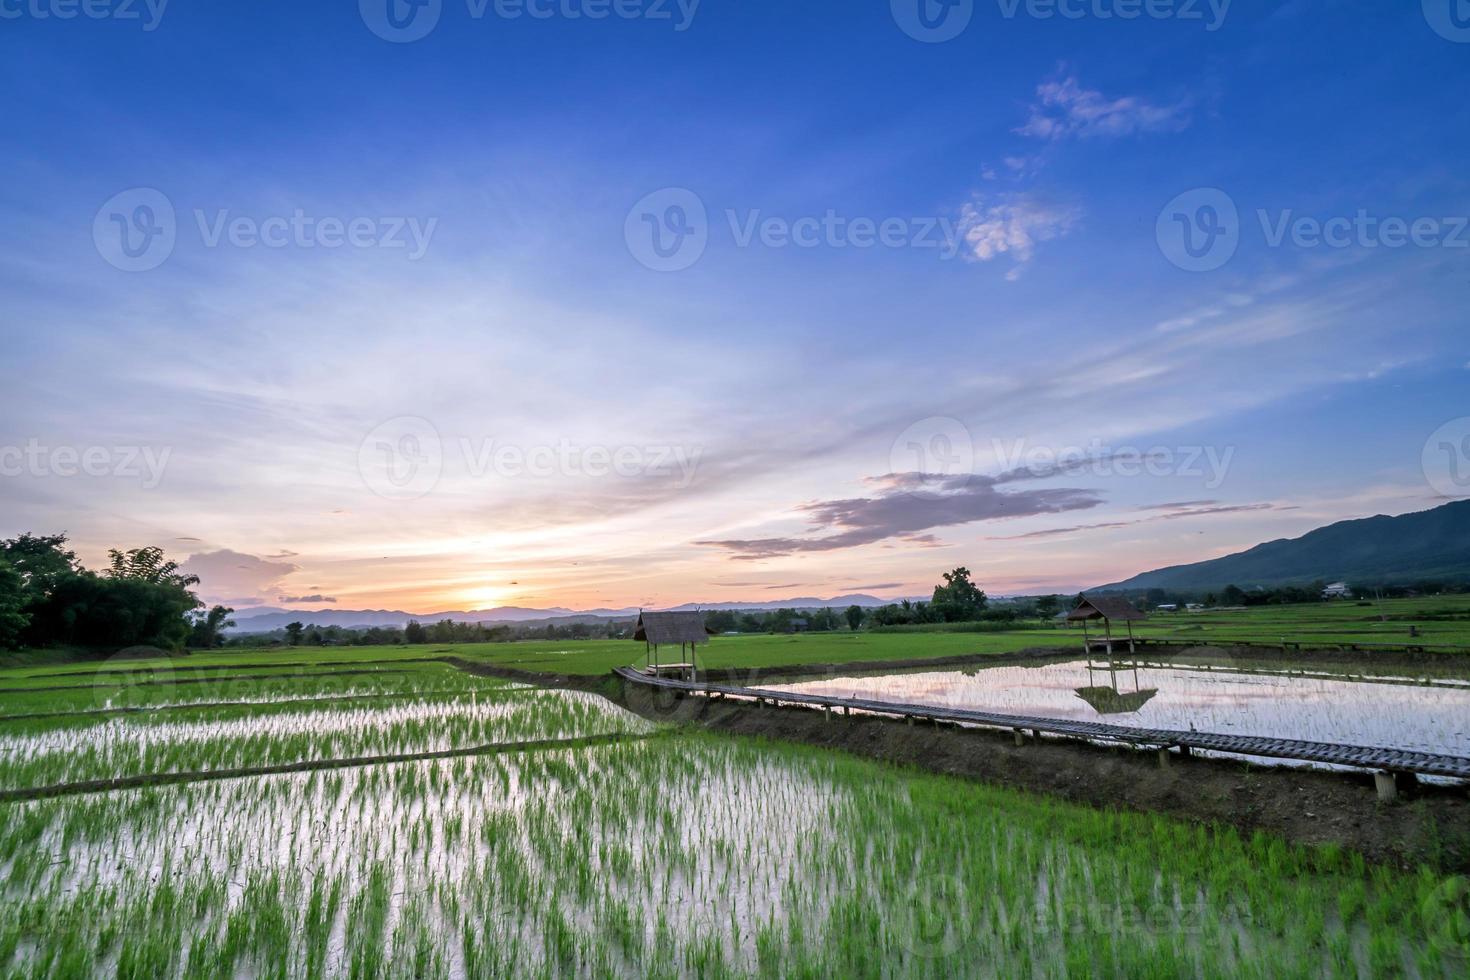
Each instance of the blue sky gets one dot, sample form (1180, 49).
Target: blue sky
(322, 417)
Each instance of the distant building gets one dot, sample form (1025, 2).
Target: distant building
(1168, 607)
(1195, 607)
(1337, 590)
(798, 625)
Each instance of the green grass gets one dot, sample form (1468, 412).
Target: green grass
(1443, 621)
(695, 856)
(689, 855)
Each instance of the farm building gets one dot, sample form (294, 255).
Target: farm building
(1337, 590)
(1109, 609)
(663, 629)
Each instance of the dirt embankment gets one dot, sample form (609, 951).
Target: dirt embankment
(1428, 825)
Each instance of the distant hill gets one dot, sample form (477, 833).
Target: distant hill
(1430, 544)
(262, 619)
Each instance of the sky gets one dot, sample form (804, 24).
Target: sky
(454, 304)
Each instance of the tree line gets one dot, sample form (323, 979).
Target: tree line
(48, 599)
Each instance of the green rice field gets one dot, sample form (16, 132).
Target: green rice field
(488, 827)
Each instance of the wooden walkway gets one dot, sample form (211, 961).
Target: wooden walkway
(1354, 756)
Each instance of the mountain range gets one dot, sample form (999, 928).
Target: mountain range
(1426, 545)
(262, 619)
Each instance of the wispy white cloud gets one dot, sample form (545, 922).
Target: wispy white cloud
(1012, 225)
(1063, 108)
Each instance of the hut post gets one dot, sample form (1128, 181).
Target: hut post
(1130, 636)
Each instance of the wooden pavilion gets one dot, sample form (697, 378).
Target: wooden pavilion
(657, 629)
(1108, 609)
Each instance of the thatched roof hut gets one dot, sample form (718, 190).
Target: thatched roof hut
(1107, 608)
(671, 627)
(658, 629)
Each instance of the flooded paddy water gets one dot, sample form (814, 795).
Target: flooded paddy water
(682, 854)
(1418, 709)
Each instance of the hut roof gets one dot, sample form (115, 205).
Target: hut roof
(671, 627)
(1104, 607)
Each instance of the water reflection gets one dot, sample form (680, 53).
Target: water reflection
(1110, 699)
(1424, 711)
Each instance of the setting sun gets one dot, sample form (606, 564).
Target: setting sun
(484, 597)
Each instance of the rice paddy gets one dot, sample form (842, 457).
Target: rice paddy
(672, 854)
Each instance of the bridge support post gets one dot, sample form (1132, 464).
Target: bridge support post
(1184, 752)
(1388, 787)
(1164, 758)
(826, 712)
(1020, 737)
